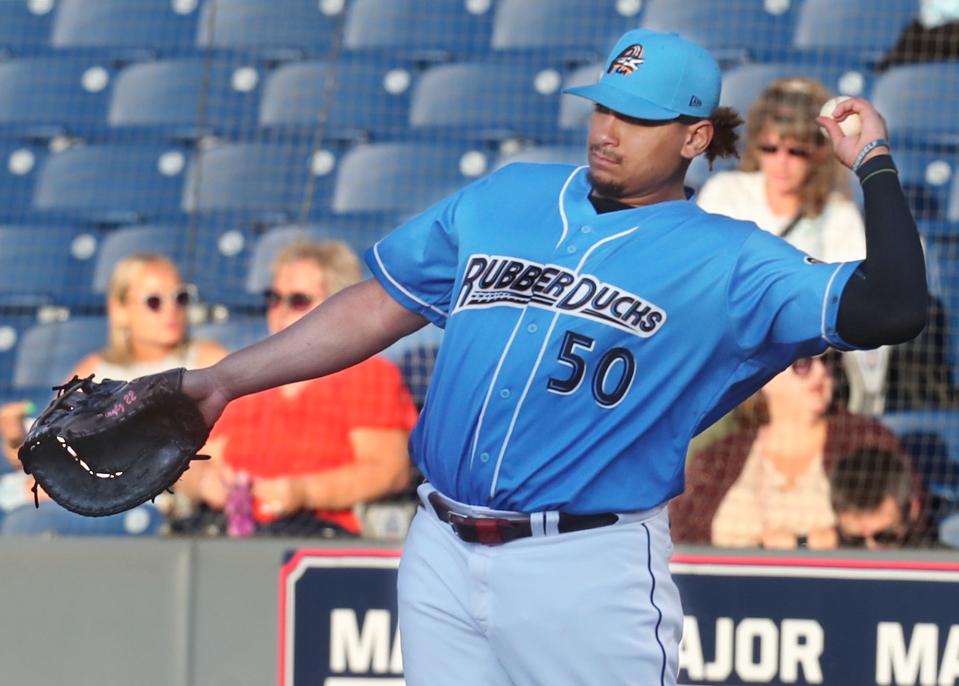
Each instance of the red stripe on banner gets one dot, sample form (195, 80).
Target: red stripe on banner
(823, 563)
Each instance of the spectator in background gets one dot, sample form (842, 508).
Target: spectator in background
(147, 333)
(877, 501)
(315, 450)
(789, 183)
(932, 37)
(766, 484)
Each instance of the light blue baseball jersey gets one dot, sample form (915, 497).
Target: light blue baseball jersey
(583, 351)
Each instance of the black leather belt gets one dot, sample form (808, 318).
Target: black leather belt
(499, 530)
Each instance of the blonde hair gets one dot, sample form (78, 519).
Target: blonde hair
(339, 264)
(125, 273)
(790, 107)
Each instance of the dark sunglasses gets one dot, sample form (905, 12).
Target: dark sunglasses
(295, 301)
(180, 297)
(801, 153)
(803, 365)
(884, 537)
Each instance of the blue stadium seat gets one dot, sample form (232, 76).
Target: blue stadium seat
(111, 183)
(168, 241)
(402, 177)
(858, 26)
(47, 96)
(157, 25)
(926, 176)
(12, 327)
(255, 178)
(48, 352)
(743, 84)
(546, 154)
(184, 98)
(942, 273)
(24, 29)
(574, 111)
(41, 265)
(19, 163)
(911, 98)
(931, 437)
(578, 30)
(730, 33)
(415, 355)
(487, 100)
(369, 98)
(953, 212)
(283, 28)
(52, 520)
(234, 333)
(944, 423)
(438, 30)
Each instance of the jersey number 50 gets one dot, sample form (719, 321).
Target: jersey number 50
(612, 376)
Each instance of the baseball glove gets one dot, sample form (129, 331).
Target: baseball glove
(104, 447)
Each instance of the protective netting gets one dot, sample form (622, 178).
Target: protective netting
(217, 131)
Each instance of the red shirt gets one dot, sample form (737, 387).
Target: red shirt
(270, 435)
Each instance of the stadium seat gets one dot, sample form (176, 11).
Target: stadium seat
(168, 241)
(19, 162)
(47, 352)
(749, 30)
(156, 25)
(574, 111)
(184, 98)
(41, 265)
(853, 26)
(439, 30)
(12, 327)
(402, 177)
(546, 154)
(24, 29)
(911, 98)
(234, 333)
(415, 355)
(577, 30)
(931, 437)
(111, 183)
(47, 96)
(953, 212)
(942, 273)
(926, 176)
(369, 98)
(282, 28)
(742, 85)
(255, 178)
(51, 520)
(487, 100)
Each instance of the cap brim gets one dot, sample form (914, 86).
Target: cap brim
(622, 102)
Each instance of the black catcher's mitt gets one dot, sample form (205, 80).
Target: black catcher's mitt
(104, 447)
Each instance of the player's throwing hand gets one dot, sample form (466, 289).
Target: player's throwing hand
(849, 148)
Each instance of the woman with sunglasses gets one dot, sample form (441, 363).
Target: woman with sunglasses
(789, 182)
(147, 333)
(315, 450)
(767, 483)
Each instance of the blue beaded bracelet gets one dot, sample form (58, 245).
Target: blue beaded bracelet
(879, 142)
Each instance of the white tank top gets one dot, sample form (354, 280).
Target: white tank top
(109, 370)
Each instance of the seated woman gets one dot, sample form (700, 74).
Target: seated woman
(313, 451)
(767, 483)
(147, 333)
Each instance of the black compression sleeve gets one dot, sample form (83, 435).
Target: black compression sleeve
(885, 301)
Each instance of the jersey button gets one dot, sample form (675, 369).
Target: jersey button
(587, 229)
(571, 249)
(532, 328)
(484, 457)
(504, 393)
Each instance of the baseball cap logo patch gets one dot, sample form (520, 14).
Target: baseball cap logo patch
(627, 61)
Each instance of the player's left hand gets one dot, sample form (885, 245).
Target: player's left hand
(280, 496)
(873, 128)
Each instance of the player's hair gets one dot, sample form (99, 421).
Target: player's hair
(861, 480)
(339, 264)
(124, 275)
(790, 107)
(725, 121)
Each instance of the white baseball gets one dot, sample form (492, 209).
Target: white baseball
(850, 126)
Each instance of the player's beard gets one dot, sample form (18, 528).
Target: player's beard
(605, 189)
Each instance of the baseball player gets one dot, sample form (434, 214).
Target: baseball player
(595, 320)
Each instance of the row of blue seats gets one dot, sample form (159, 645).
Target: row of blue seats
(371, 99)
(442, 28)
(131, 183)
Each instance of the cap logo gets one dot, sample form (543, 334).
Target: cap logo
(695, 102)
(627, 61)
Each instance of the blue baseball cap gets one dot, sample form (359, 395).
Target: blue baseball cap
(656, 76)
